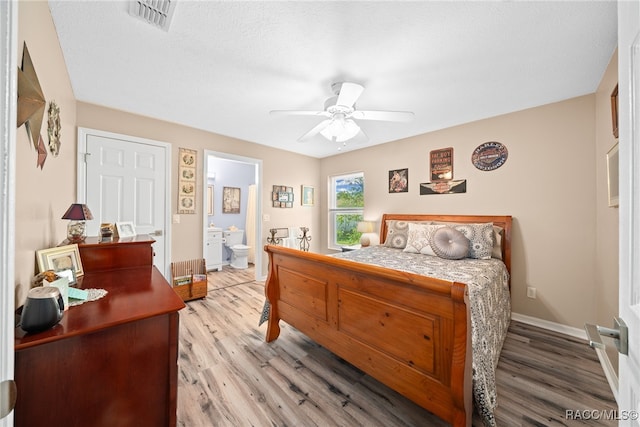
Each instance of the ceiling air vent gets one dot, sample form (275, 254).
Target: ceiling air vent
(156, 12)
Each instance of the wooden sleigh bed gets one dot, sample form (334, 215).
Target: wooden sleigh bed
(410, 332)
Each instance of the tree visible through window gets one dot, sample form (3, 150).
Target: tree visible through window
(346, 209)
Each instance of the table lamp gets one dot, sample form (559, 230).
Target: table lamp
(77, 213)
(366, 228)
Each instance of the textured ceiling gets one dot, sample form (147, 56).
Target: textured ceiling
(223, 65)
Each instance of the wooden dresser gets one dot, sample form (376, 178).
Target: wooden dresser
(110, 362)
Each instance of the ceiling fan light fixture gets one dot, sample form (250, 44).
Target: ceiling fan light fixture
(340, 129)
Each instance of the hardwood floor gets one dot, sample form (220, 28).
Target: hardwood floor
(229, 376)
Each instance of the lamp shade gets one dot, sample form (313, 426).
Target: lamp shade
(365, 227)
(78, 212)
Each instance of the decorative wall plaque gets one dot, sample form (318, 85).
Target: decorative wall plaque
(187, 181)
(441, 164)
(489, 156)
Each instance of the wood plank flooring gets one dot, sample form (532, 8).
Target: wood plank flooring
(229, 376)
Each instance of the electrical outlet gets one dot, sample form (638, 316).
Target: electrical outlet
(531, 292)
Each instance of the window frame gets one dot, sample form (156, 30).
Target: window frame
(334, 211)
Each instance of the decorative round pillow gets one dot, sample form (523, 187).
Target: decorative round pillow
(449, 243)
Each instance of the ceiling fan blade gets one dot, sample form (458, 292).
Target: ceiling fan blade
(298, 113)
(387, 116)
(349, 94)
(316, 129)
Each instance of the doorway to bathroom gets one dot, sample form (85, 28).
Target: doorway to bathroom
(231, 200)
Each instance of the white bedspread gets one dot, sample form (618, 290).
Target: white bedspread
(490, 306)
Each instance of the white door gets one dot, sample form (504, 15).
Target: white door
(8, 93)
(127, 180)
(629, 151)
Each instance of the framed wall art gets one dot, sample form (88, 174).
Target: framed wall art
(612, 176)
(282, 196)
(231, 200)
(399, 181)
(307, 195)
(60, 258)
(614, 111)
(187, 161)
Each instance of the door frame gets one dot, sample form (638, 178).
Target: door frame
(81, 166)
(8, 95)
(258, 169)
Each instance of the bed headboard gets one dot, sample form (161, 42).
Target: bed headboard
(503, 221)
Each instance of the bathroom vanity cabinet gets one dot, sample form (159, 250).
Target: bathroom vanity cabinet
(213, 249)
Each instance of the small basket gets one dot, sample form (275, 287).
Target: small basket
(189, 279)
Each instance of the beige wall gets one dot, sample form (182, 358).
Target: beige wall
(279, 168)
(43, 195)
(547, 184)
(565, 238)
(606, 260)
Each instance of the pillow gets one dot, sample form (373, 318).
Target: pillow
(397, 233)
(418, 238)
(480, 237)
(498, 234)
(449, 243)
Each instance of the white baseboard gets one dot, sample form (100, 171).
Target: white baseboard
(552, 326)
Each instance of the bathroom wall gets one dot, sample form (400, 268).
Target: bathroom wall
(229, 173)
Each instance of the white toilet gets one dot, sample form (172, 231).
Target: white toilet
(239, 252)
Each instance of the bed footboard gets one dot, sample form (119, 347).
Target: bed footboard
(410, 332)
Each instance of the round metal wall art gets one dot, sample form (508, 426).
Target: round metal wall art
(489, 156)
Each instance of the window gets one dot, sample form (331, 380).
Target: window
(346, 209)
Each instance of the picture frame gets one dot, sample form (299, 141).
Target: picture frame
(614, 111)
(399, 181)
(307, 197)
(612, 176)
(231, 200)
(60, 258)
(282, 196)
(125, 229)
(187, 179)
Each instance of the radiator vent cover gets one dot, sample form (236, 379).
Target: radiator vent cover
(155, 12)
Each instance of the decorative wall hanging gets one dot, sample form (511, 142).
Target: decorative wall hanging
(187, 181)
(282, 196)
(451, 186)
(42, 153)
(614, 111)
(441, 164)
(31, 101)
(489, 156)
(231, 200)
(53, 128)
(399, 181)
(308, 195)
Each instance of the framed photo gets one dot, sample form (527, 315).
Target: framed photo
(308, 195)
(612, 176)
(125, 229)
(399, 181)
(231, 200)
(60, 258)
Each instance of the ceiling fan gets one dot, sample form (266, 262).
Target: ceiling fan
(340, 112)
